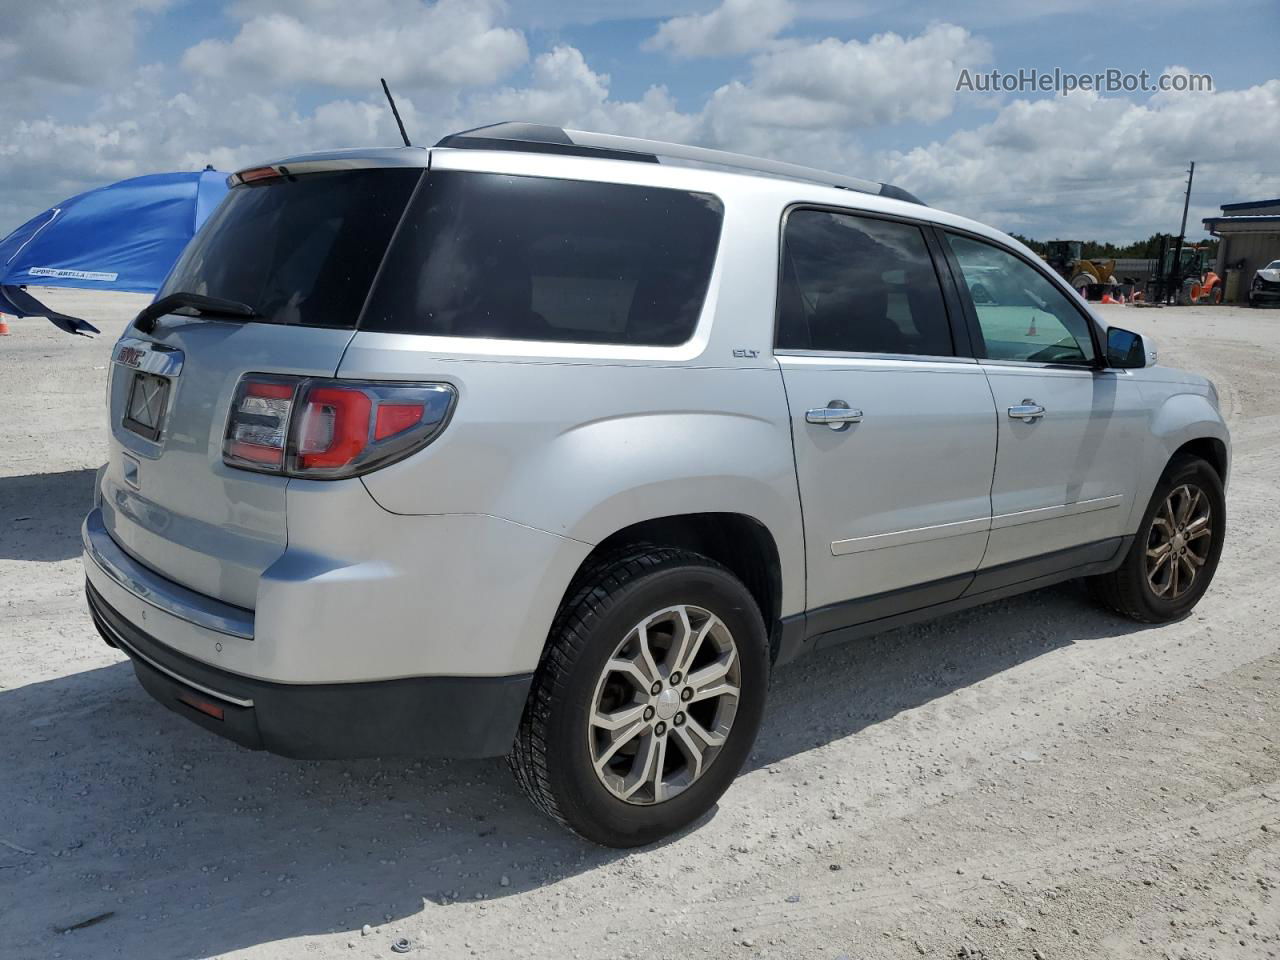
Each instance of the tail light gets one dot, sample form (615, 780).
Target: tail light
(329, 429)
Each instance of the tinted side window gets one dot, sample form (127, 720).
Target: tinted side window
(532, 258)
(1021, 313)
(301, 250)
(859, 285)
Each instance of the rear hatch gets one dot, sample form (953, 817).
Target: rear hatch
(301, 250)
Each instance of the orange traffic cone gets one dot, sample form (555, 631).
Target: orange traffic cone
(1031, 330)
(1107, 298)
(4, 327)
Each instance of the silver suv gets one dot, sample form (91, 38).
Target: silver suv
(554, 445)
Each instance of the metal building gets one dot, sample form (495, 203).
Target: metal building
(1250, 235)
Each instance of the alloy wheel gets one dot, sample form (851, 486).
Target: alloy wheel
(664, 704)
(1179, 541)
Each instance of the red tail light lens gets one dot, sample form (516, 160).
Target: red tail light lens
(395, 417)
(334, 427)
(329, 429)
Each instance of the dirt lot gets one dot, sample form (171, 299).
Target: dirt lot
(1033, 779)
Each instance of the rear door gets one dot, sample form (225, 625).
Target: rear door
(301, 250)
(894, 432)
(1069, 430)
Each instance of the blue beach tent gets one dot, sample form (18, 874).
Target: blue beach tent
(123, 237)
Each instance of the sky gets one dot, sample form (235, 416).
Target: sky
(99, 90)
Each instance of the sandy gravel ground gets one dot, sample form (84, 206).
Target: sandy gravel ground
(1033, 779)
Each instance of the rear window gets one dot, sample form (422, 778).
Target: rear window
(534, 258)
(299, 250)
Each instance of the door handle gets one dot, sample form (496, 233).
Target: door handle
(836, 415)
(1028, 411)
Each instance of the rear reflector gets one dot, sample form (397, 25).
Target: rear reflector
(204, 706)
(329, 429)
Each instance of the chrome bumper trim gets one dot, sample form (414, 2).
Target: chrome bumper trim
(153, 589)
(133, 651)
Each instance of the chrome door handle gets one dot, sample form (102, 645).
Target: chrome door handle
(836, 415)
(1028, 411)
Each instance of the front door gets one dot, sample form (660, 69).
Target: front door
(894, 433)
(1069, 430)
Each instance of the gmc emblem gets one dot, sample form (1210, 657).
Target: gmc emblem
(131, 356)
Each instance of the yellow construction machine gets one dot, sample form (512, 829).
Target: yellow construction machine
(1064, 256)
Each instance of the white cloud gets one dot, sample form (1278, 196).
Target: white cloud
(447, 44)
(734, 27)
(139, 129)
(834, 84)
(1097, 167)
(1107, 168)
(565, 91)
(804, 101)
(71, 43)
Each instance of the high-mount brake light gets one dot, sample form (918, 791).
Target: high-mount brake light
(330, 429)
(258, 174)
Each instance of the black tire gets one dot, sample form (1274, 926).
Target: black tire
(551, 759)
(1127, 590)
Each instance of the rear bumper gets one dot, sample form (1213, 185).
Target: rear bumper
(413, 716)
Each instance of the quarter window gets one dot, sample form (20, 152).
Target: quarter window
(1021, 314)
(535, 258)
(859, 285)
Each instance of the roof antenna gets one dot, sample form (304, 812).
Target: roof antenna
(399, 123)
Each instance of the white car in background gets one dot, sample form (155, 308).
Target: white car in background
(1266, 285)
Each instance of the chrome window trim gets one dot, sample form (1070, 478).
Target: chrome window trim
(1042, 364)
(855, 355)
(1056, 369)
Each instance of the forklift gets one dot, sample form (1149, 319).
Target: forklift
(1185, 275)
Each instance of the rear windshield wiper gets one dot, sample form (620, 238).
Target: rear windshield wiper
(212, 306)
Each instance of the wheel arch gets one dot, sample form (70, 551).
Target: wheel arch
(741, 543)
(1184, 424)
(1210, 449)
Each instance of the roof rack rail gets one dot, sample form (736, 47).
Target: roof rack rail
(544, 138)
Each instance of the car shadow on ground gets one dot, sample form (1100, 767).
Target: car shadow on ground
(200, 847)
(40, 514)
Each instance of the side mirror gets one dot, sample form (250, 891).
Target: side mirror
(1125, 349)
